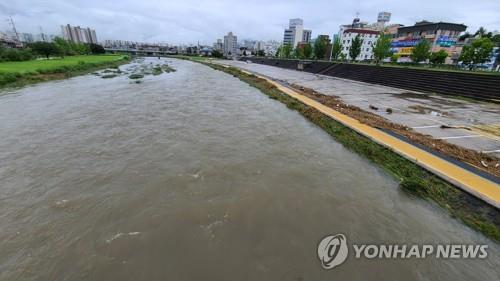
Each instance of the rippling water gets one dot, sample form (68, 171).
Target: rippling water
(193, 175)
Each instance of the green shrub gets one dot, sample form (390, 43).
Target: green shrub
(136, 76)
(6, 78)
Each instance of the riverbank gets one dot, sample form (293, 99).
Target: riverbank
(413, 179)
(17, 74)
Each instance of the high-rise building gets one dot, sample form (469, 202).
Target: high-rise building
(78, 35)
(230, 45)
(294, 34)
(219, 45)
(382, 19)
(306, 35)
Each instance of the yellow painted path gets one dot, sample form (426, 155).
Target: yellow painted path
(483, 188)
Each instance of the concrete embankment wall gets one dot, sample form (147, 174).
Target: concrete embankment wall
(478, 86)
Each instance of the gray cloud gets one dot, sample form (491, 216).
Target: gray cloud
(189, 21)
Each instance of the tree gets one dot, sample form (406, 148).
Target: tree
(63, 46)
(336, 48)
(308, 50)
(81, 49)
(96, 49)
(217, 54)
(355, 49)
(478, 52)
(279, 51)
(320, 46)
(44, 49)
(480, 32)
(286, 50)
(496, 39)
(421, 51)
(394, 58)
(464, 36)
(382, 48)
(438, 57)
(299, 52)
(261, 53)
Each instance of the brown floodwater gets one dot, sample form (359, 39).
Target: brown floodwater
(194, 175)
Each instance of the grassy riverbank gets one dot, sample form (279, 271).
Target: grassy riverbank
(413, 179)
(14, 74)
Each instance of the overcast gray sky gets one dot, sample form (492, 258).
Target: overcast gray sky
(189, 21)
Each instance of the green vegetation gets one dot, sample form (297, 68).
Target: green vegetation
(299, 53)
(26, 72)
(478, 52)
(136, 76)
(320, 46)
(421, 54)
(307, 50)
(438, 57)
(58, 48)
(167, 68)
(157, 70)
(217, 54)
(394, 58)
(382, 48)
(355, 48)
(284, 51)
(336, 49)
(413, 179)
(421, 51)
(47, 65)
(44, 49)
(10, 54)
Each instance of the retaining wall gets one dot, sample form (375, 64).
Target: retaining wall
(477, 86)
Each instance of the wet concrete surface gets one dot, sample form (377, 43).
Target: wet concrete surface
(425, 113)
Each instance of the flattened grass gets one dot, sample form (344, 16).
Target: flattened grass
(54, 63)
(16, 74)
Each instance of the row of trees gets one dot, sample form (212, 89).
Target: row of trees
(62, 48)
(381, 50)
(478, 52)
(305, 51)
(480, 49)
(59, 47)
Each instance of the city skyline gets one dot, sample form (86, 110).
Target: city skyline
(186, 23)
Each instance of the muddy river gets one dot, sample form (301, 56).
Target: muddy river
(194, 175)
